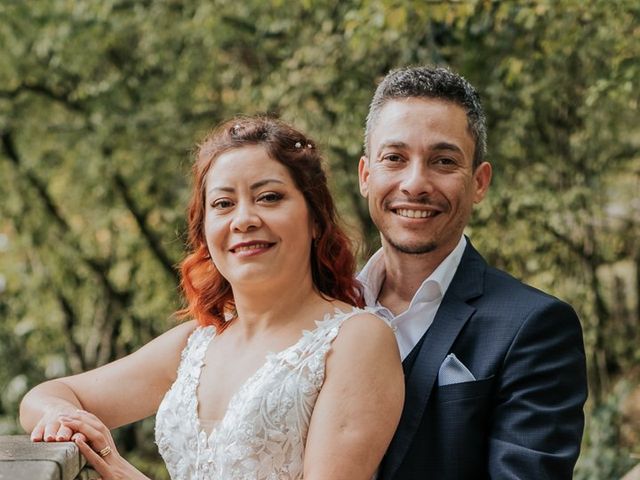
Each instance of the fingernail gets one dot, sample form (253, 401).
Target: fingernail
(81, 411)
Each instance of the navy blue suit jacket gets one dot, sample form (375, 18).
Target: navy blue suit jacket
(523, 416)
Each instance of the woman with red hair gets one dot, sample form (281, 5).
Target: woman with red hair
(278, 373)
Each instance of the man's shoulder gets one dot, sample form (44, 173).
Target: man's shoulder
(507, 307)
(504, 287)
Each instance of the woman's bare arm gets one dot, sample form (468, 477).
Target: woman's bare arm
(359, 406)
(118, 393)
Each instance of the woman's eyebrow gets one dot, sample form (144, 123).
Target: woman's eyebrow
(253, 186)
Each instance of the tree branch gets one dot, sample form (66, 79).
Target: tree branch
(76, 357)
(141, 219)
(94, 264)
(61, 97)
(591, 257)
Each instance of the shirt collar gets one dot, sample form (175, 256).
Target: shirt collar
(432, 288)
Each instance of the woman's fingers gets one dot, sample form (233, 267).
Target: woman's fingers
(91, 420)
(64, 434)
(78, 436)
(94, 436)
(37, 435)
(51, 431)
(96, 461)
(94, 441)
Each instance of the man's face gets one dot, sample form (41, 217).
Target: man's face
(419, 179)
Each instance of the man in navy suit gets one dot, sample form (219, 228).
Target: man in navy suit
(494, 369)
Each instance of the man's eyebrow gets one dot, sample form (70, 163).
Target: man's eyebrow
(404, 145)
(253, 186)
(393, 144)
(447, 146)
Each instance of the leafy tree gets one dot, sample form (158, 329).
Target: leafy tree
(101, 103)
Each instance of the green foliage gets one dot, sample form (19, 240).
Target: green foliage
(603, 456)
(101, 103)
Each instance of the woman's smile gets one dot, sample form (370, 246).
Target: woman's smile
(252, 248)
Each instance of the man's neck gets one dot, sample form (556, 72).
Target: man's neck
(404, 275)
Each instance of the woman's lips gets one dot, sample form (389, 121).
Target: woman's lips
(250, 248)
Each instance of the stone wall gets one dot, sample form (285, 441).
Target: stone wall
(21, 459)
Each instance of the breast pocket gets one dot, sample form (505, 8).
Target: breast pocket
(460, 392)
(460, 414)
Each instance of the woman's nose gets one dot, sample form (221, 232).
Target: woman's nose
(245, 218)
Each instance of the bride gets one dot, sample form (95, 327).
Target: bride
(278, 374)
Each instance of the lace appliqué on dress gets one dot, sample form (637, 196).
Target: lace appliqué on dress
(264, 430)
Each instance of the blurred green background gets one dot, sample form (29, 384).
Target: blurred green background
(102, 102)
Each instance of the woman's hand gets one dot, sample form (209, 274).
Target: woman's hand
(49, 428)
(95, 442)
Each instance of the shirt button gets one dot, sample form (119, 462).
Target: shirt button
(394, 328)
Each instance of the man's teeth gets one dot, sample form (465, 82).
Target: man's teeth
(254, 246)
(404, 212)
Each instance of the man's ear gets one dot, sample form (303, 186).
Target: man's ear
(482, 179)
(363, 176)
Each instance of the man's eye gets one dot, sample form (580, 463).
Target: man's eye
(222, 204)
(270, 197)
(446, 161)
(392, 157)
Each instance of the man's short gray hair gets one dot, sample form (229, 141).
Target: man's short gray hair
(431, 82)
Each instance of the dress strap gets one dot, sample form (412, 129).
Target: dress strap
(328, 328)
(192, 358)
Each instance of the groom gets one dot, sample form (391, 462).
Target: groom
(494, 369)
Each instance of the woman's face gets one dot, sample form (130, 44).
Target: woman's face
(257, 224)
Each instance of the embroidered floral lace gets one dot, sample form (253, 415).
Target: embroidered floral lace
(263, 432)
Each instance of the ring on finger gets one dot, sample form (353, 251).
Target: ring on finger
(105, 451)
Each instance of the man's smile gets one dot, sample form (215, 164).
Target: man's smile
(410, 213)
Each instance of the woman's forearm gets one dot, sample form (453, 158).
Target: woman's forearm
(47, 399)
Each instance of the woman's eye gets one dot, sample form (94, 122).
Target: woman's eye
(270, 197)
(222, 204)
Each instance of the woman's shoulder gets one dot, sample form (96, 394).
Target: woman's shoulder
(172, 342)
(181, 333)
(362, 317)
(365, 343)
(361, 327)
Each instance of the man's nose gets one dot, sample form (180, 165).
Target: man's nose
(245, 217)
(416, 181)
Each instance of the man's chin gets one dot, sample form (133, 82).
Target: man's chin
(412, 248)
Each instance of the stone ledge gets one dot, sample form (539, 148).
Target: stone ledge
(634, 474)
(22, 459)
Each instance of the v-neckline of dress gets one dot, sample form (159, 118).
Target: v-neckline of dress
(305, 333)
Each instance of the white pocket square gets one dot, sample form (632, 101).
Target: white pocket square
(453, 371)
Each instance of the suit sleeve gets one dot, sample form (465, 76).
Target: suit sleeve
(537, 421)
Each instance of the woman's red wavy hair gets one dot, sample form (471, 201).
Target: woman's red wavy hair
(208, 294)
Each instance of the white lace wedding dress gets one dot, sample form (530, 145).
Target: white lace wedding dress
(264, 430)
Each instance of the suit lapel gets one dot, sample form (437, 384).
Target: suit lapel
(447, 324)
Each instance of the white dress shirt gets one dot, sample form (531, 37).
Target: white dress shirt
(410, 325)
